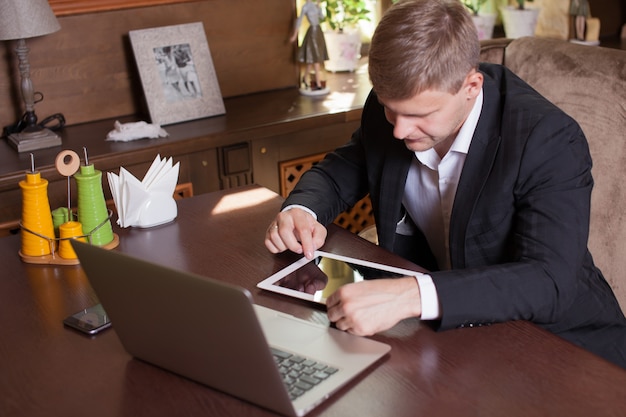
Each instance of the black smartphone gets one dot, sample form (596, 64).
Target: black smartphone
(91, 320)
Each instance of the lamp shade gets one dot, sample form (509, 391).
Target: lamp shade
(22, 19)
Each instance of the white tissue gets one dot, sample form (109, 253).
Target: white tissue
(149, 202)
(125, 132)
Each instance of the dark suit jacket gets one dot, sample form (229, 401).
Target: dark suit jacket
(519, 224)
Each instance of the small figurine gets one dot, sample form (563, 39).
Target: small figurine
(312, 51)
(579, 10)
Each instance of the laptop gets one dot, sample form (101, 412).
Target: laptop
(211, 332)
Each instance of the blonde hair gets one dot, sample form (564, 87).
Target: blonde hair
(420, 45)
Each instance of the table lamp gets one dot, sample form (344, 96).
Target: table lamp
(20, 20)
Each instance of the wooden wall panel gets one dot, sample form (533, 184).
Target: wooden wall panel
(69, 7)
(87, 71)
(612, 14)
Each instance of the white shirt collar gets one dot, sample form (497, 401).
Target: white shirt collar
(464, 138)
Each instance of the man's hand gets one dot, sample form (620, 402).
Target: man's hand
(296, 230)
(373, 306)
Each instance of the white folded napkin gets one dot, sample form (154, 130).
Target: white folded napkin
(124, 132)
(149, 202)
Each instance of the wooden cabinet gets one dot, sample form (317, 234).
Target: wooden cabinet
(244, 146)
(268, 153)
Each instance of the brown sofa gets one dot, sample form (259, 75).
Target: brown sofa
(588, 83)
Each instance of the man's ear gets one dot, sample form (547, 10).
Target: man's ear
(473, 84)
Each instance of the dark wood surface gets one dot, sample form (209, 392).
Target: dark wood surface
(512, 369)
(249, 117)
(278, 125)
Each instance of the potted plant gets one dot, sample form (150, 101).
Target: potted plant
(342, 14)
(484, 22)
(519, 20)
(343, 37)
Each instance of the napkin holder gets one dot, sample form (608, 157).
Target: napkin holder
(149, 202)
(156, 209)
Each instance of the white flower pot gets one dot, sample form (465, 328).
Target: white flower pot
(344, 50)
(518, 23)
(484, 25)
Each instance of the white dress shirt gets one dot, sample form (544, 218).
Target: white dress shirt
(428, 198)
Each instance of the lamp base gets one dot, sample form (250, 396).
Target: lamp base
(33, 140)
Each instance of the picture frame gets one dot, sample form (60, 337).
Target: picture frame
(177, 73)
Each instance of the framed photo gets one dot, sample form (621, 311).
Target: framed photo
(177, 73)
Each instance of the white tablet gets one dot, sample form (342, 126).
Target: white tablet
(315, 279)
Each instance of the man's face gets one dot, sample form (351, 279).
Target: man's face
(432, 119)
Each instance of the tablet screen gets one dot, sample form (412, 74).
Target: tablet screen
(318, 278)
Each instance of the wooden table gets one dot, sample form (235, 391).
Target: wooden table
(511, 369)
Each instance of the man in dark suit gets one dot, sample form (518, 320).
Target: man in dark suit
(472, 175)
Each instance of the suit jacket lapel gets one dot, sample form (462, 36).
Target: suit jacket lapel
(395, 170)
(478, 165)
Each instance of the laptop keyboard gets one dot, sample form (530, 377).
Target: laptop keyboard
(299, 373)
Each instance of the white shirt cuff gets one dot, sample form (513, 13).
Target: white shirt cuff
(429, 299)
(308, 210)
